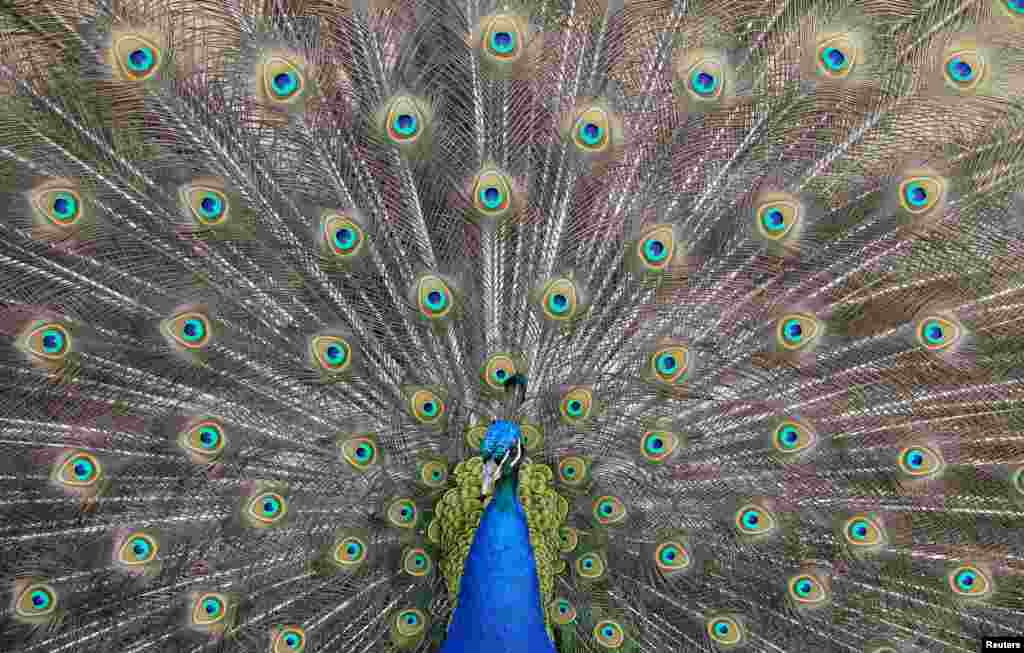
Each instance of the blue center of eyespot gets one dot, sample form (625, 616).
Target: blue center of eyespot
(655, 250)
(502, 42)
(405, 124)
(960, 70)
(917, 195)
(211, 206)
(588, 563)
(335, 354)
(212, 606)
(703, 83)
(429, 408)
(803, 588)
(193, 329)
(788, 436)
(559, 303)
(140, 60)
(563, 608)
(140, 548)
(591, 133)
(933, 332)
(285, 83)
(491, 197)
(345, 238)
(751, 519)
(774, 220)
(363, 451)
(833, 59)
(914, 458)
(208, 437)
(608, 631)
(65, 207)
(40, 599)
(1015, 6)
(722, 628)
(859, 530)
(83, 469)
(435, 300)
(793, 330)
(291, 640)
(53, 341)
(271, 506)
(965, 579)
(352, 549)
(655, 444)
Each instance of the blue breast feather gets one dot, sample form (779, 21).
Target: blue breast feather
(499, 607)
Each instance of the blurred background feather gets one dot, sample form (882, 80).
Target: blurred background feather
(268, 268)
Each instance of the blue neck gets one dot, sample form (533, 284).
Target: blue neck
(500, 607)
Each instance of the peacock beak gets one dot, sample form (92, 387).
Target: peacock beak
(490, 476)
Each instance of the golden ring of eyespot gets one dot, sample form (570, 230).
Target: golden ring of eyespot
(609, 634)
(138, 549)
(49, 341)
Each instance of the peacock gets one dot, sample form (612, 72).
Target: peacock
(498, 326)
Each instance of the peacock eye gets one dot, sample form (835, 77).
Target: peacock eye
(573, 471)
(49, 341)
(658, 446)
(210, 608)
(434, 297)
(79, 469)
(796, 331)
(560, 300)
(282, 80)
(590, 566)
(405, 120)
(434, 473)
(609, 634)
(792, 437)
(190, 329)
(205, 440)
(135, 57)
(725, 631)
(407, 627)
(341, 236)
(575, 406)
(60, 206)
(669, 364)
(503, 39)
(492, 194)
(497, 370)
(333, 354)
(360, 452)
(209, 206)
(417, 562)
(807, 590)
(563, 612)
(705, 77)
(671, 556)
(35, 601)
(592, 130)
(754, 520)
(836, 56)
(350, 551)
(964, 69)
(138, 549)
(863, 532)
(609, 510)
(969, 581)
(920, 461)
(267, 509)
(656, 248)
(426, 406)
(919, 195)
(288, 639)
(402, 513)
(937, 333)
(778, 218)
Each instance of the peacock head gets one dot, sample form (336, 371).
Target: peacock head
(501, 450)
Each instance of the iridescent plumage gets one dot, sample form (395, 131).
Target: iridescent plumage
(542, 325)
